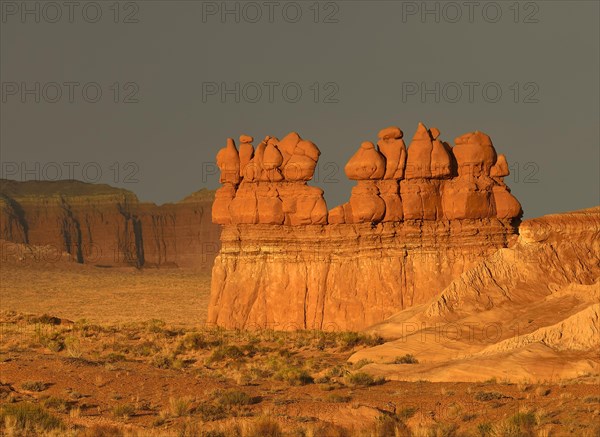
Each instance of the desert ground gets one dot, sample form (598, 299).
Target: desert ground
(77, 358)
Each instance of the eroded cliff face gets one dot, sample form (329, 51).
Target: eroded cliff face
(341, 277)
(417, 219)
(102, 225)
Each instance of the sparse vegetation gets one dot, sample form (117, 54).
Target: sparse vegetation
(488, 396)
(236, 398)
(28, 418)
(265, 427)
(225, 352)
(485, 429)
(211, 412)
(57, 404)
(295, 376)
(389, 425)
(521, 424)
(406, 359)
(363, 379)
(221, 382)
(338, 398)
(34, 386)
(123, 410)
(114, 357)
(406, 412)
(179, 407)
(349, 340)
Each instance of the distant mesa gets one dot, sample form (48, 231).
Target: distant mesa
(101, 225)
(429, 180)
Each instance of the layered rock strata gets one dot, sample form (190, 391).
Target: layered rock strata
(107, 226)
(417, 218)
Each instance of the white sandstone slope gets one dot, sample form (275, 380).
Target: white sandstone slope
(526, 312)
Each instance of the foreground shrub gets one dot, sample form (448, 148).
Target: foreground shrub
(123, 410)
(349, 340)
(236, 398)
(295, 376)
(488, 395)
(362, 379)
(34, 386)
(223, 352)
(265, 427)
(56, 404)
(193, 341)
(179, 407)
(211, 412)
(406, 359)
(485, 429)
(518, 425)
(338, 398)
(114, 357)
(387, 425)
(102, 431)
(28, 418)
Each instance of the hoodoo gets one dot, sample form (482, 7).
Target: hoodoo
(416, 219)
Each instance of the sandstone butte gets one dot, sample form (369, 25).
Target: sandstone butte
(417, 217)
(106, 226)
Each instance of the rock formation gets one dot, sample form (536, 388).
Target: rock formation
(538, 298)
(107, 226)
(269, 186)
(415, 220)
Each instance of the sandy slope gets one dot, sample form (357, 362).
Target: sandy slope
(529, 312)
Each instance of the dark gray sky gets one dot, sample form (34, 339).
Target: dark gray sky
(367, 64)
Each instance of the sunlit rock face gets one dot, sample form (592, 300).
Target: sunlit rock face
(106, 226)
(417, 218)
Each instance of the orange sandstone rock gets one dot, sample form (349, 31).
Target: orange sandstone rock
(428, 157)
(246, 152)
(392, 147)
(272, 159)
(299, 167)
(302, 204)
(421, 199)
(228, 161)
(287, 146)
(269, 205)
(507, 206)
(475, 154)
(309, 149)
(468, 198)
(415, 220)
(220, 209)
(431, 189)
(243, 207)
(441, 160)
(336, 215)
(366, 204)
(389, 191)
(418, 162)
(367, 163)
(500, 168)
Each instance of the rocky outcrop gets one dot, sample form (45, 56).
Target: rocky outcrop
(268, 185)
(416, 220)
(102, 225)
(340, 277)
